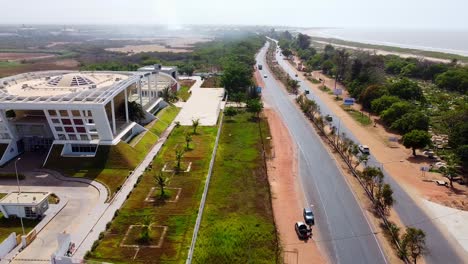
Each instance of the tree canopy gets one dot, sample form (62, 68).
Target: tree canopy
(416, 139)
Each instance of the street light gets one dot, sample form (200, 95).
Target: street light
(19, 193)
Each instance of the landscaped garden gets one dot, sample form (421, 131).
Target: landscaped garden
(112, 164)
(155, 224)
(238, 223)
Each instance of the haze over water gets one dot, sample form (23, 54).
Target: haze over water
(449, 41)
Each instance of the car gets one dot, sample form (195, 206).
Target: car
(308, 216)
(265, 76)
(302, 230)
(296, 75)
(364, 149)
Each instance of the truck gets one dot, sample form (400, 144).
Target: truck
(260, 67)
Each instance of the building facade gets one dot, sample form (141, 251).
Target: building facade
(80, 110)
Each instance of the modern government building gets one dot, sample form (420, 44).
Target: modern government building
(79, 110)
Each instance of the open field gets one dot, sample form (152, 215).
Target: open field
(237, 224)
(13, 56)
(177, 217)
(134, 49)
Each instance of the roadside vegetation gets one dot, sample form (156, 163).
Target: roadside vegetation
(154, 203)
(237, 224)
(407, 94)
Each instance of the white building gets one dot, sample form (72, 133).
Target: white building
(80, 110)
(24, 204)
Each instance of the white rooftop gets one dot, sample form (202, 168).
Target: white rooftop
(24, 198)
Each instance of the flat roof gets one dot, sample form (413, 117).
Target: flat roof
(24, 198)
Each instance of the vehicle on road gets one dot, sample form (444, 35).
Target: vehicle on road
(309, 216)
(296, 75)
(302, 230)
(265, 76)
(364, 149)
(260, 66)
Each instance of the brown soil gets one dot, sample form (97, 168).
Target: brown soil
(186, 82)
(13, 56)
(395, 158)
(61, 64)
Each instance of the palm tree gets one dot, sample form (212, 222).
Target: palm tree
(195, 123)
(145, 229)
(179, 154)
(167, 94)
(188, 139)
(161, 181)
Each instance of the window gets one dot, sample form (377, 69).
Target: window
(69, 129)
(63, 112)
(55, 121)
(61, 137)
(29, 212)
(80, 129)
(66, 121)
(59, 129)
(52, 112)
(84, 137)
(87, 113)
(78, 121)
(94, 137)
(72, 137)
(82, 148)
(90, 121)
(75, 113)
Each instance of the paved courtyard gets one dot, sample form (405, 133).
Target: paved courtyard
(204, 104)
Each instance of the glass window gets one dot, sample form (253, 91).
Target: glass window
(75, 113)
(80, 129)
(72, 137)
(69, 129)
(94, 137)
(78, 121)
(52, 112)
(90, 121)
(62, 137)
(63, 112)
(66, 121)
(59, 129)
(55, 121)
(84, 137)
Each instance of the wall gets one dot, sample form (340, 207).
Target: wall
(7, 245)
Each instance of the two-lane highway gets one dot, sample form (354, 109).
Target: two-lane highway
(442, 248)
(345, 233)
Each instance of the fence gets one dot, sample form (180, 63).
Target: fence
(8, 244)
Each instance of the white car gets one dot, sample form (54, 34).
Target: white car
(364, 149)
(264, 76)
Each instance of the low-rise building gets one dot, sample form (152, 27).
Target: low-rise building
(24, 204)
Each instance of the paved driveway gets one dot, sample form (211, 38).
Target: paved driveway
(83, 200)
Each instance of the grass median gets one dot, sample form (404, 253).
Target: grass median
(238, 224)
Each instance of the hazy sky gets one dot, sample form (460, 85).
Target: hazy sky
(449, 14)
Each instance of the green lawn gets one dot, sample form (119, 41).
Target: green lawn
(183, 93)
(363, 119)
(165, 117)
(8, 225)
(179, 217)
(7, 64)
(237, 224)
(112, 164)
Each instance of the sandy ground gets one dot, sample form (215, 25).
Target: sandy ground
(287, 199)
(134, 49)
(383, 52)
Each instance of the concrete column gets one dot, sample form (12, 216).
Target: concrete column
(156, 85)
(149, 87)
(114, 127)
(139, 91)
(126, 105)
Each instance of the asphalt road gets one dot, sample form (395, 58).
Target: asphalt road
(344, 231)
(441, 248)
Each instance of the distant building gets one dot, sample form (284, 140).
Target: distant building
(80, 110)
(24, 204)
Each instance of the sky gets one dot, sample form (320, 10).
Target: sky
(411, 14)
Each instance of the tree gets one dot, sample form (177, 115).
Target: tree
(168, 95)
(455, 79)
(371, 176)
(395, 111)
(384, 197)
(405, 89)
(237, 77)
(341, 59)
(302, 41)
(371, 93)
(145, 229)
(293, 85)
(230, 112)
(383, 103)
(161, 182)
(254, 106)
(195, 123)
(179, 154)
(414, 243)
(286, 52)
(238, 97)
(188, 139)
(361, 158)
(415, 120)
(416, 139)
(187, 69)
(450, 170)
(327, 66)
(136, 112)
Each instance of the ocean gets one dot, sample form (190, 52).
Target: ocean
(448, 41)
